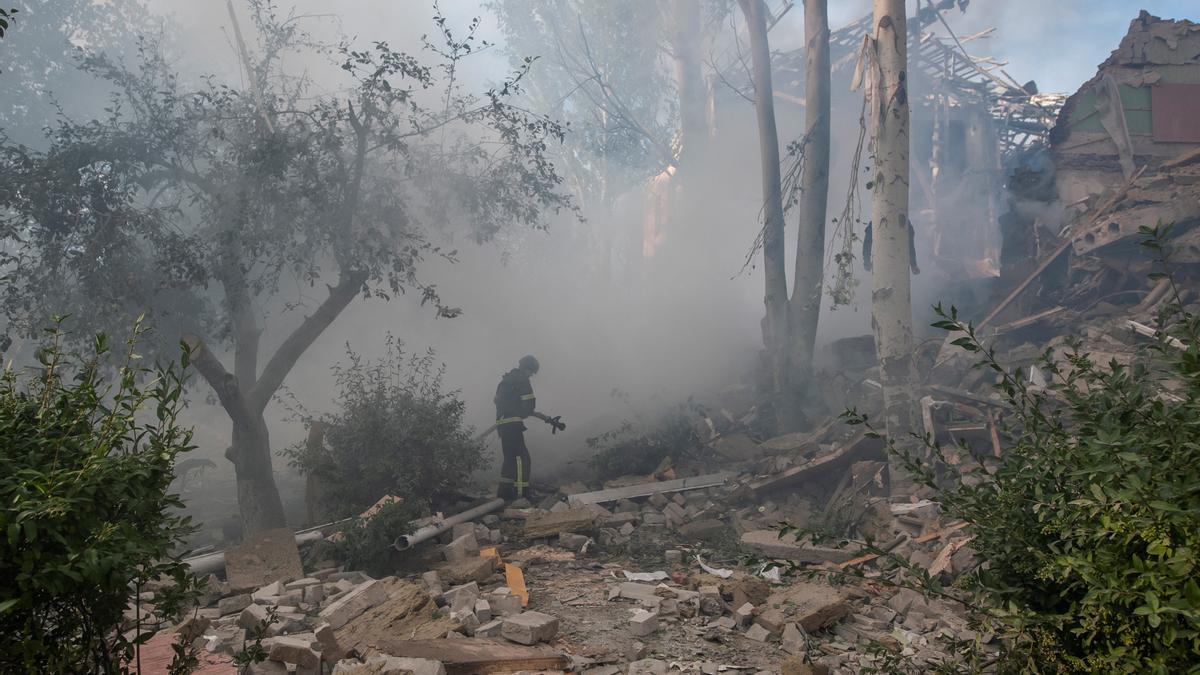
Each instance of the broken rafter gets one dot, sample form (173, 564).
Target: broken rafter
(647, 489)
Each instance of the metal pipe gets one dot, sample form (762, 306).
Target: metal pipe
(407, 541)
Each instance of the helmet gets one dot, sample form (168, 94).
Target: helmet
(529, 363)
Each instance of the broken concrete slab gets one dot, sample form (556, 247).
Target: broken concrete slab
(737, 447)
(468, 569)
(234, 604)
(530, 628)
(252, 616)
(758, 633)
(363, 597)
(769, 543)
(331, 649)
(462, 597)
(859, 447)
(408, 611)
(573, 520)
(261, 558)
(294, 650)
(810, 605)
(702, 528)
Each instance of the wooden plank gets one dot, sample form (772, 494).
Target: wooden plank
(859, 447)
(937, 534)
(941, 562)
(514, 578)
(1146, 331)
(469, 656)
(647, 489)
(1030, 320)
(769, 543)
(554, 522)
(965, 395)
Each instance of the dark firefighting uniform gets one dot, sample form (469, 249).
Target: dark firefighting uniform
(514, 402)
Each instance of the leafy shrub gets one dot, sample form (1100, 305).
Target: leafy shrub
(641, 448)
(367, 544)
(1090, 522)
(85, 465)
(397, 432)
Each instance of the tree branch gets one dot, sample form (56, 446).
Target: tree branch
(301, 339)
(222, 382)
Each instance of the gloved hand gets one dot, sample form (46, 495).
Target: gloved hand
(556, 425)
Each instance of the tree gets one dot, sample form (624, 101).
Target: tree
(775, 324)
(804, 308)
(891, 297)
(204, 207)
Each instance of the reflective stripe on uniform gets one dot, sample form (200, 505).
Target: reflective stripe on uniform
(520, 483)
(528, 397)
(507, 420)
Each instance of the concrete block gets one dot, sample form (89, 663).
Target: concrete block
(674, 514)
(234, 604)
(483, 610)
(657, 500)
(637, 651)
(462, 548)
(758, 633)
(653, 518)
(467, 569)
(331, 649)
(529, 628)
(491, 629)
(363, 597)
(643, 623)
(294, 650)
(648, 667)
(251, 616)
(462, 597)
(744, 614)
(794, 641)
(301, 584)
(772, 619)
(314, 595)
(572, 542)
(504, 604)
(467, 621)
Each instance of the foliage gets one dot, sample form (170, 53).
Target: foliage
(396, 432)
(85, 465)
(1090, 523)
(42, 78)
(368, 544)
(642, 447)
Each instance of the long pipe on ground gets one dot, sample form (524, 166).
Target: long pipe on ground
(407, 541)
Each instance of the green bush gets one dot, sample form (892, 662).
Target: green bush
(641, 448)
(1090, 522)
(85, 516)
(368, 544)
(397, 432)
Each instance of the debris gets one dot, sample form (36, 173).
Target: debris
(645, 576)
(737, 447)
(744, 614)
(467, 569)
(941, 562)
(647, 489)
(857, 448)
(648, 667)
(529, 628)
(363, 597)
(673, 557)
(703, 528)
(550, 524)
(716, 572)
(794, 640)
(810, 605)
(331, 649)
(643, 622)
(757, 633)
(515, 579)
(769, 543)
(463, 547)
(294, 650)
(234, 603)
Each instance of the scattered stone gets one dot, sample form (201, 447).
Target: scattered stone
(772, 619)
(744, 614)
(331, 650)
(702, 529)
(314, 595)
(266, 668)
(572, 542)
(652, 518)
(468, 569)
(491, 629)
(673, 557)
(770, 544)
(234, 604)
(571, 520)
(811, 605)
(657, 500)
(529, 628)
(794, 641)
(462, 597)
(271, 590)
(643, 622)
(725, 622)
(461, 548)
(363, 597)
(637, 651)
(711, 603)
(648, 667)
(251, 616)
(504, 604)
(483, 610)
(294, 650)
(758, 633)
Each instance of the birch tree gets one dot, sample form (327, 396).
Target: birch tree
(804, 309)
(891, 298)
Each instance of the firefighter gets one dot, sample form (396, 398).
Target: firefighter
(514, 402)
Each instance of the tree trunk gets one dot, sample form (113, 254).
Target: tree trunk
(891, 300)
(258, 498)
(775, 324)
(689, 81)
(805, 306)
